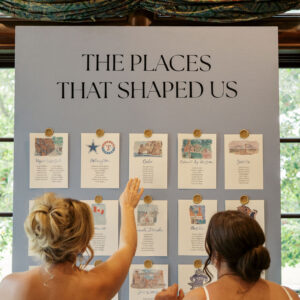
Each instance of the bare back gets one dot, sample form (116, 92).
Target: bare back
(66, 284)
(234, 288)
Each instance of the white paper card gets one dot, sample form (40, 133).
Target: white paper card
(196, 161)
(152, 222)
(190, 278)
(193, 221)
(148, 160)
(243, 161)
(100, 160)
(48, 161)
(106, 222)
(255, 209)
(144, 283)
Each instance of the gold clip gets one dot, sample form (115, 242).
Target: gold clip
(98, 199)
(49, 132)
(148, 263)
(197, 199)
(148, 133)
(198, 263)
(97, 262)
(147, 199)
(99, 132)
(244, 133)
(197, 133)
(244, 199)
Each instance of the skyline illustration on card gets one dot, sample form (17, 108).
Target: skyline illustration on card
(244, 147)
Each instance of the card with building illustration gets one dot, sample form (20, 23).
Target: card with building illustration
(254, 209)
(106, 222)
(152, 223)
(190, 278)
(197, 161)
(48, 160)
(148, 160)
(145, 283)
(243, 161)
(100, 160)
(193, 221)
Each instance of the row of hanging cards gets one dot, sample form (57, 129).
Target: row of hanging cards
(148, 160)
(152, 224)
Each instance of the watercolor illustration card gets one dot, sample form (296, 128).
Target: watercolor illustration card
(193, 221)
(243, 161)
(197, 161)
(145, 283)
(100, 158)
(152, 223)
(254, 209)
(148, 160)
(190, 278)
(106, 222)
(48, 160)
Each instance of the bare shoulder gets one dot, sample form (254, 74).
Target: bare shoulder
(17, 280)
(278, 288)
(196, 294)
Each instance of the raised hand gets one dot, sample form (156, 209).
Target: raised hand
(131, 195)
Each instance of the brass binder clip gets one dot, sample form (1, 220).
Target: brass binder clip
(244, 199)
(148, 263)
(98, 199)
(197, 199)
(49, 132)
(198, 263)
(197, 133)
(97, 262)
(99, 132)
(148, 133)
(244, 133)
(147, 199)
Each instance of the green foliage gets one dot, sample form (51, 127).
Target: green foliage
(289, 93)
(7, 77)
(290, 242)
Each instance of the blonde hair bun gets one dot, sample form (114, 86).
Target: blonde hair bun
(59, 229)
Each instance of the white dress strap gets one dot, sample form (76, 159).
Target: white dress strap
(287, 292)
(206, 293)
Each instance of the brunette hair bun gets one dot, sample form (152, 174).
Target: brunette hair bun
(252, 263)
(238, 240)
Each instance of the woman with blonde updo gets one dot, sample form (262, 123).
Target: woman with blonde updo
(60, 231)
(235, 245)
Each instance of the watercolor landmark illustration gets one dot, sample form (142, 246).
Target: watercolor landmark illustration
(148, 149)
(197, 214)
(148, 279)
(248, 211)
(147, 214)
(197, 149)
(198, 279)
(49, 146)
(243, 147)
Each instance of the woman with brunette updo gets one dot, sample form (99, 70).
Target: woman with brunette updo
(235, 246)
(60, 231)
